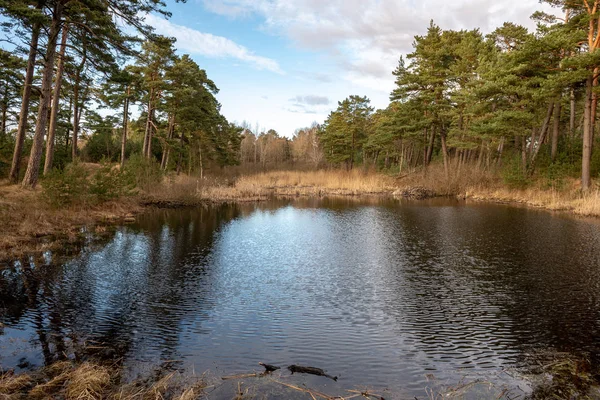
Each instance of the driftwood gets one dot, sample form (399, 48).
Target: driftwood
(310, 370)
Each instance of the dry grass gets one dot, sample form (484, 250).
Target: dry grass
(9, 383)
(29, 226)
(90, 381)
(184, 189)
(355, 181)
(87, 382)
(570, 199)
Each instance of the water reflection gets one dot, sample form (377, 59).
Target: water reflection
(378, 293)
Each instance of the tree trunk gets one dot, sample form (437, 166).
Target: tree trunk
(4, 115)
(352, 150)
(55, 102)
(523, 154)
(180, 159)
(33, 166)
(500, 151)
(22, 128)
(200, 161)
(555, 131)
(542, 137)
(587, 135)
(75, 120)
(445, 154)
(148, 132)
(532, 141)
(430, 147)
(481, 153)
(424, 149)
(572, 111)
(165, 157)
(125, 121)
(76, 106)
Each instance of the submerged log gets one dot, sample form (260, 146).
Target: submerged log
(310, 370)
(268, 367)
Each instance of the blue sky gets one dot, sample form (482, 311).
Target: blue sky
(283, 64)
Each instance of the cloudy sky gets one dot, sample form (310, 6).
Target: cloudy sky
(283, 64)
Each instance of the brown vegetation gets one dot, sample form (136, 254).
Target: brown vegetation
(90, 381)
(29, 225)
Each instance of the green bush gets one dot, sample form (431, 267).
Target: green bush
(555, 174)
(66, 187)
(513, 174)
(142, 173)
(110, 183)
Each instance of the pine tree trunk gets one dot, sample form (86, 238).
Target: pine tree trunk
(165, 156)
(500, 151)
(33, 166)
(523, 154)
(148, 132)
(555, 130)
(75, 120)
(430, 147)
(4, 115)
(180, 159)
(200, 161)
(22, 128)
(77, 108)
(424, 149)
(542, 137)
(587, 135)
(55, 102)
(352, 150)
(125, 121)
(594, 108)
(532, 141)
(481, 153)
(445, 154)
(572, 113)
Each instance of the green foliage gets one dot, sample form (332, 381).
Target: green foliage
(75, 185)
(346, 130)
(66, 187)
(109, 183)
(513, 174)
(142, 173)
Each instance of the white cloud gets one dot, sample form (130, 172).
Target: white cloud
(209, 45)
(366, 37)
(311, 100)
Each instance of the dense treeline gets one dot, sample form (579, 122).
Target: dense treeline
(74, 73)
(516, 98)
(513, 100)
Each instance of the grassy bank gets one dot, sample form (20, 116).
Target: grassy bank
(561, 377)
(90, 381)
(31, 223)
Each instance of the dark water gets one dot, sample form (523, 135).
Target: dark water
(380, 294)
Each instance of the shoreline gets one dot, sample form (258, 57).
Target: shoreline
(30, 227)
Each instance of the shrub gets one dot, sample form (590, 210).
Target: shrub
(66, 187)
(109, 183)
(142, 173)
(513, 174)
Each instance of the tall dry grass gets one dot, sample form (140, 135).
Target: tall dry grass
(90, 381)
(354, 181)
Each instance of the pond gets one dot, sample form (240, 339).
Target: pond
(381, 293)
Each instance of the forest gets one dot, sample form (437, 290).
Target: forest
(89, 81)
(143, 233)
